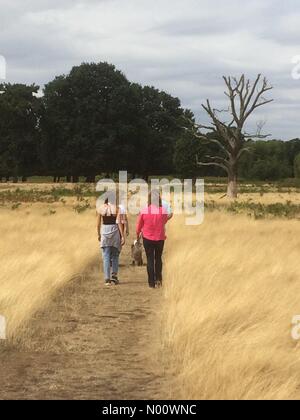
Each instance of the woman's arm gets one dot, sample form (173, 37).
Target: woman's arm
(126, 225)
(170, 216)
(121, 228)
(124, 220)
(139, 226)
(99, 220)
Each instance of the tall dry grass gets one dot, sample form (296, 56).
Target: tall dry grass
(264, 198)
(39, 254)
(232, 289)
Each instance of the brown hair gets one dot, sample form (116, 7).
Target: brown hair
(155, 196)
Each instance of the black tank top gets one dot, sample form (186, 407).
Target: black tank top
(109, 219)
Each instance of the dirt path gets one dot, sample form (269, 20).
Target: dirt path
(91, 343)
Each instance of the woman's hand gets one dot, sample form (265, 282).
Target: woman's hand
(99, 238)
(123, 241)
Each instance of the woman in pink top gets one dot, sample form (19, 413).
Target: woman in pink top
(151, 224)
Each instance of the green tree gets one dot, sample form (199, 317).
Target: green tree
(19, 128)
(162, 121)
(297, 166)
(292, 149)
(96, 121)
(188, 151)
(267, 161)
(81, 120)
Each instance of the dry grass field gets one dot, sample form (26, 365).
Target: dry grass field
(69, 336)
(40, 253)
(232, 290)
(221, 325)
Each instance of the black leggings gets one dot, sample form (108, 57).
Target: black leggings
(154, 251)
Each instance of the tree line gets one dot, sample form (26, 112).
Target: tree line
(94, 121)
(266, 160)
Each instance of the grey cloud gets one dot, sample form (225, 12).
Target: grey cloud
(194, 27)
(181, 47)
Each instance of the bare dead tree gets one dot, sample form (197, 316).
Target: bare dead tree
(231, 137)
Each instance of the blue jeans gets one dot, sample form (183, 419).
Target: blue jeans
(110, 255)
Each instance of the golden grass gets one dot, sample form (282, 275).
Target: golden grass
(39, 254)
(232, 289)
(266, 198)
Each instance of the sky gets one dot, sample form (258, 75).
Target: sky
(181, 46)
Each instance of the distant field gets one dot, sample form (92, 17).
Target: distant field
(213, 185)
(214, 181)
(258, 201)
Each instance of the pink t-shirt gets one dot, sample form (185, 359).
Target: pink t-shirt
(151, 223)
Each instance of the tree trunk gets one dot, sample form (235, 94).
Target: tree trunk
(90, 179)
(232, 189)
(75, 179)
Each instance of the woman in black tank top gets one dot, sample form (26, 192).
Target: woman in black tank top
(111, 237)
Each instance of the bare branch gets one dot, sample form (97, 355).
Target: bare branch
(219, 165)
(248, 100)
(263, 103)
(231, 95)
(215, 141)
(244, 150)
(260, 92)
(217, 158)
(244, 98)
(221, 110)
(206, 127)
(260, 125)
(257, 136)
(222, 129)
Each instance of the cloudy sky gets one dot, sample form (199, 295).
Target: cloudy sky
(181, 46)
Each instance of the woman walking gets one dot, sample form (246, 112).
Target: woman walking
(111, 235)
(151, 225)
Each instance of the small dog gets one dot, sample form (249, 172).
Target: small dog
(137, 254)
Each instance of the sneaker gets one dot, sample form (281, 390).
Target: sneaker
(107, 282)
(115, 280)
(158, 284)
